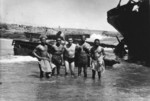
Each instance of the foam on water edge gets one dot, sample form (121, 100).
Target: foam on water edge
(16, 59)
(96, 36)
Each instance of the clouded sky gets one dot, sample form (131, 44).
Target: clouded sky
(91, 14)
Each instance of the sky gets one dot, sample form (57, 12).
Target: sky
(89, 14)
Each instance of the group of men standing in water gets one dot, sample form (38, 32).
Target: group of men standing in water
(71, 55)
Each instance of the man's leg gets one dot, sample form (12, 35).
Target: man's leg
(41, 72)
(66, 67)
(79, 70)
(58, 69)
(85, 71)
(93, 74)
(99, 74)
(48, 74)
(72, 66)
(53, 71)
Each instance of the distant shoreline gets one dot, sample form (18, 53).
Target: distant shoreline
(14, 31)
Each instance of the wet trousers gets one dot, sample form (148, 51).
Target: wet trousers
(84, 70)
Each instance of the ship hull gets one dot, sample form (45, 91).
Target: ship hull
(134, 26)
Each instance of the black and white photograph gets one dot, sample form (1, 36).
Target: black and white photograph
(74, 50)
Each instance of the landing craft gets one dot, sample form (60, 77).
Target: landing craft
(25, 47)
(132, 21)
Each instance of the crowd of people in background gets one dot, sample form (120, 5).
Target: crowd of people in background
(70, 55)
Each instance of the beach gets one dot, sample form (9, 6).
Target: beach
(19, 81)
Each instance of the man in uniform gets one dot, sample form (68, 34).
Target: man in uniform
(97, 55)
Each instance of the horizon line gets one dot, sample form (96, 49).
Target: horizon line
(58, 27)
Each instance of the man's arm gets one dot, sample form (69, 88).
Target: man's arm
(77, 48)
(91, 52)
(50, 57)
(62, 55)
(91, 56)
(103, 53)
(35, 54)
(64, 52)
(87, 48)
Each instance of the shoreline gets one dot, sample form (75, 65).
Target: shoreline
(6, 38)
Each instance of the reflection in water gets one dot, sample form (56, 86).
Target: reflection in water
(69, 89)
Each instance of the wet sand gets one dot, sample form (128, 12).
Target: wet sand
(125, 82)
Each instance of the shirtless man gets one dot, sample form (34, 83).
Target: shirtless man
(97, 55)
(69, 57)
(41, 53)
(57, 57)
(83, 50)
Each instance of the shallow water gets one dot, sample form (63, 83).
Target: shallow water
(21, 82)
(123, 82)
